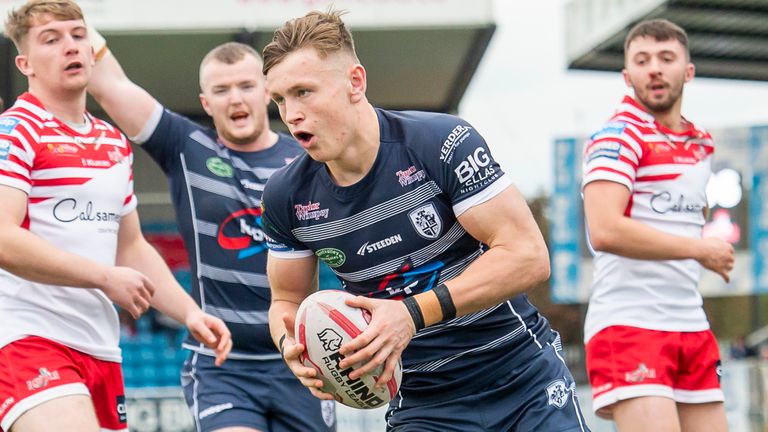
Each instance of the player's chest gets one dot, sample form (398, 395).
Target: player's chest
(97, 152)
(402, 212)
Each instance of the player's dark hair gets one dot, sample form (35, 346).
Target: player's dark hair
(323, 31)
(659, 29)
(20, 20)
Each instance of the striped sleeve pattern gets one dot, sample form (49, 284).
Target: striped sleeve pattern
(613, 153)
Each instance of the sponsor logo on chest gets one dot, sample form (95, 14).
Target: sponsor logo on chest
(665, 202)
(368, 247)
(70, 210)
(409, 176)
(310, 211)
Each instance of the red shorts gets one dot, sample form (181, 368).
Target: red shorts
(35, 370)
(628, 362)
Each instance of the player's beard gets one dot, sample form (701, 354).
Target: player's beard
(674, 93)
(242, 140)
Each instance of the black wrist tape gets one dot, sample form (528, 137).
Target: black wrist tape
(446, 302)
(415, 310)
(280, 344)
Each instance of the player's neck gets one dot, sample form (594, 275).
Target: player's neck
(265, 140)
(671, 119)
(68, 106)
(360, 151)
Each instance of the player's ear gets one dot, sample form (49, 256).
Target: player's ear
(690, 72)
(358, 83)
(22, 64)
(204, 103)
(627, 79)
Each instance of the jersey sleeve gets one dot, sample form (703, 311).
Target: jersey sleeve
(17, 152)
(130, 202)
(165, 142)
(466, 169)
(276, 217)
(612, 153)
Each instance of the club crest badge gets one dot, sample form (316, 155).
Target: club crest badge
(426, 221)
(557, 394)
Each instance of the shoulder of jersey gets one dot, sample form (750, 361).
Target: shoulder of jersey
(10, 120)
(623, 128)
(425, 130)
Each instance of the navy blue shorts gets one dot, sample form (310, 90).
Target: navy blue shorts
(537, 395)
(262, 394)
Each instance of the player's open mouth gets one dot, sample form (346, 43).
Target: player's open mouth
(74, 66)
(303, 138)
(658, 86)
(239, 116)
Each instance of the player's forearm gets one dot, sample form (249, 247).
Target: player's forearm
(633, 239)
(499, 274)
(30, 257)
(129, 105)
(276, 325)
(170, 297)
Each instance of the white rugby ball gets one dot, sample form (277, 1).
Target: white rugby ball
(323, 324)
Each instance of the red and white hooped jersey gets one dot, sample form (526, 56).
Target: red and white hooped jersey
(666, 172)
(79, 185)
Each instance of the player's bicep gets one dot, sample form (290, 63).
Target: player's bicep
(504, 220)
(292, 279)
(14, 207)
(605, 202)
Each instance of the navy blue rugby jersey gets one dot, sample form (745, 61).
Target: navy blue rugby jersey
(395, 234)
(216, 192)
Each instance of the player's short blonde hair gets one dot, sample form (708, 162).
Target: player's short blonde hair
(227, 53)
(20, 20)
(323, 31)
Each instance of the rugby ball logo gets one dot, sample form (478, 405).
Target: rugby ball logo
(324, 323)
(330, 339)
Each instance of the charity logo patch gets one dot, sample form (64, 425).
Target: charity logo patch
(219, 167)
(426, 221)
(604, 149)
(610, 129)
(332, 256)
(557, 394)
(5, 149)
(7, 124)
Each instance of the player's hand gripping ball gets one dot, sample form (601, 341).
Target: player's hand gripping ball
(323, 324)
